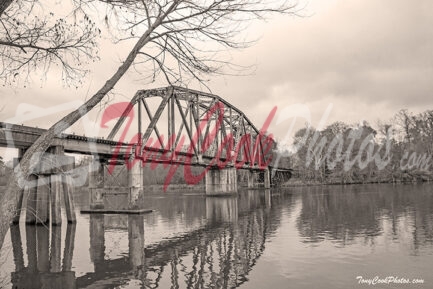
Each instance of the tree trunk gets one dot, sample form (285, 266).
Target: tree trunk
(8, 200)
(4, 4)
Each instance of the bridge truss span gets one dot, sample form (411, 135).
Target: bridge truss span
(190, 126)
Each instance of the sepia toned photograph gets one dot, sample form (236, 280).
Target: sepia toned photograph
(216, 144)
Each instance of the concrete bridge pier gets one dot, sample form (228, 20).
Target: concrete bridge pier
(44, 186)
(68, 189)
(135, 184)
(251, 179)
(96, 184)
(259, 179)
(221, 181)
(267, 178)
(31, 200)
(105, 187)
(56, 188)
(43, 200)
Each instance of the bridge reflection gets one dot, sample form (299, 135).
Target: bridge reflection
(44, 266)
(218, 254)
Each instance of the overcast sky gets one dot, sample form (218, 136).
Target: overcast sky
(369, 58)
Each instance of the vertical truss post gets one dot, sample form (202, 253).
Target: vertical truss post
(233, 135)
(194, 119)
(195, 114)
(171, 123)
(248, 150)
(217, 135)
(197, 125)
(140, 130)
(169, 115)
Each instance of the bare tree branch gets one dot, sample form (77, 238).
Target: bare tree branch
(28, 44)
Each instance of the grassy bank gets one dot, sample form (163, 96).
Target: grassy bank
(405, 179)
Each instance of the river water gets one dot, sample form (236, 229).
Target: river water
(309, 237)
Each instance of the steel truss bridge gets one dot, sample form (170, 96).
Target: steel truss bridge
(202, 130)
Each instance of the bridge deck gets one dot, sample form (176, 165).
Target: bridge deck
(22, 137)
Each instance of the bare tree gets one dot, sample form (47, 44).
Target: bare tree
(32, 41)
(404, 122)
(179, 37)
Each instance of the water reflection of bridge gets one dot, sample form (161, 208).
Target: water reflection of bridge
(219, 254)
(44, 266)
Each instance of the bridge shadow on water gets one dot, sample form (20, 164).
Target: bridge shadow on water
(222, 239)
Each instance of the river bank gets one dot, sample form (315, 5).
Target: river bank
(406, 179)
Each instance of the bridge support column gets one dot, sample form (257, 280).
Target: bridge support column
(220, 182)
(20, 195)
(43, 201)
(31, 200)
(259, 179)
(68, 189)
(44, 189)
(61, 180)
(96, 185)
(56, 188)
(135, 184)
(267, 178)
(251, 179)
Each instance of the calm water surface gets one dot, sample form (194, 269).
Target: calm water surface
(318, 237)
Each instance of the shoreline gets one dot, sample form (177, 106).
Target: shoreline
(299, 183)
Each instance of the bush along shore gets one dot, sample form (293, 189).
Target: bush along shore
(396, 151)
(403, 178)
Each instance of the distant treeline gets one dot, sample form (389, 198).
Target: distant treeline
(399, 150)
